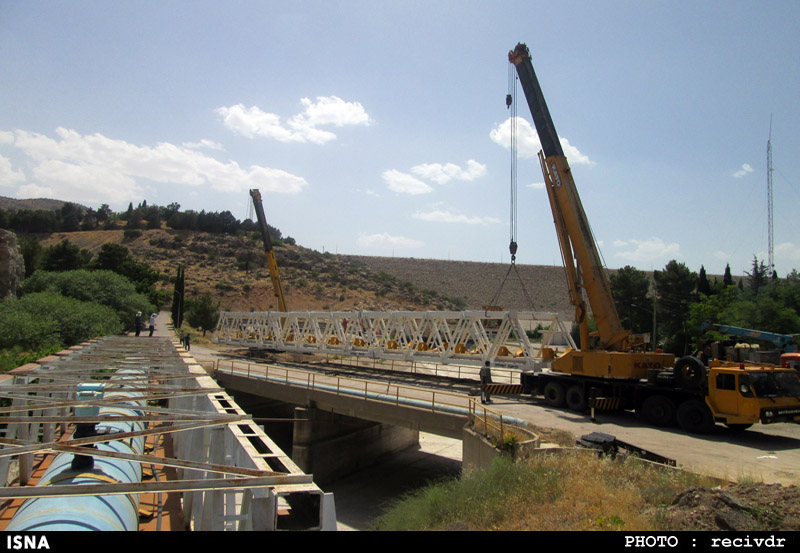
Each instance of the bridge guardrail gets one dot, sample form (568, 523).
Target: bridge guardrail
(480, 417)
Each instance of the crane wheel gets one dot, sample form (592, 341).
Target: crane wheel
(576, 398)
(695, 417)
(659, 411)
(554, 394)
(690, 372)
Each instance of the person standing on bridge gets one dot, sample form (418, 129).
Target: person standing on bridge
(138, 322)
(152, 323)
(486, 379)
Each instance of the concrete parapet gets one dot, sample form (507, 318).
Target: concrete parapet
(479, 450)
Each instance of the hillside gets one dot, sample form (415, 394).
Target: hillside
(232, 269)
(477, 283)
(13, 204)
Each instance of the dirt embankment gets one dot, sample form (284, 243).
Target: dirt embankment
(741, 507)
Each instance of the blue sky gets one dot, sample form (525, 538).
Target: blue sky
(380, 128)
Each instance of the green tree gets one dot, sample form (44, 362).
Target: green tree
(727, 279)
(703, 285)
(202, 312)
(32, 252)
(65, 256)
(675, 286)
(117, 258)
(630, 288)
(178, 298)
(759, 276)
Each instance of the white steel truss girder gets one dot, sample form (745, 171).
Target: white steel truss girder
(463, 337)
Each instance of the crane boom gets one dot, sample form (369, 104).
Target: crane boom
(582, 263)
(575, 236)
(272, 261)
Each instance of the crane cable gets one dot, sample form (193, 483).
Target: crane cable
(511, 105)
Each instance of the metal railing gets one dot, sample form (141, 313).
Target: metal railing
(396, 394)
(476, 415)
(453, 371)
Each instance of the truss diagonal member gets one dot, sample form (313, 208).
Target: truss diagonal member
(153, 487)
(48, 446)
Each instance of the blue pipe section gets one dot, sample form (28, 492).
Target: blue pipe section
(103, 512)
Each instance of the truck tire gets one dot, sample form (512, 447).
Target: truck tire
(689, 372)
(659, 411)
(554, 394)
(695, 417)
(576, 398)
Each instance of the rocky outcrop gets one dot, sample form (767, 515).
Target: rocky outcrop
(12, 265)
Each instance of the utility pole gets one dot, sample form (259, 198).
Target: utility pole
(769, 198)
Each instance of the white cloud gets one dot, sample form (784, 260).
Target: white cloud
(303, 127)
(745, 170)
(330, 110)
(8, 176)
(719, 254)
(203, 143)
(96, 169)
(385, 241)
(404, 183)
(442, 174)
(653, 249)
(574, 156)
(536, 185)
(34, 191)
(788, 253)
(528, 144)
(445, 216)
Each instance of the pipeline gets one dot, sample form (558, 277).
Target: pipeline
(102, 512)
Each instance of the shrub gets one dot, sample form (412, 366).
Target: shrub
(103, 287)
(46, 319)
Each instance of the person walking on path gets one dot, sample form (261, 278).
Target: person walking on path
(486, 378)
(152, 322)
(186, 342)
(138, 323)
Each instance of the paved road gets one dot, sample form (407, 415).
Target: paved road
(769, 453)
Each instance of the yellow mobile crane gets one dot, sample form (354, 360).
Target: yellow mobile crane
(272, 262)
(612, 364)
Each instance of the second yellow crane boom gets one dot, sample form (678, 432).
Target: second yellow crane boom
(272, 261)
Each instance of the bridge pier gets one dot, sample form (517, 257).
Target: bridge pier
(329, 445)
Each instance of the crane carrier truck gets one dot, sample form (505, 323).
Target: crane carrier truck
(613, 369)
